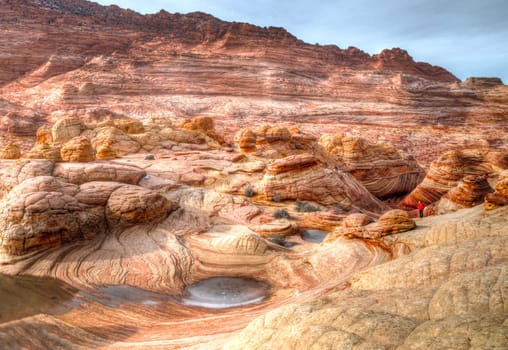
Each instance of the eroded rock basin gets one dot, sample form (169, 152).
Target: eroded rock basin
(224, 292)
(314, 236)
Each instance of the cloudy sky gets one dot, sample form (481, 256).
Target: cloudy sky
(467, 37)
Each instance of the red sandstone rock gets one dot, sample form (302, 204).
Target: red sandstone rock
(446, 172)
(77, 149)
(470, 191)
(301, 177)
(11, 151)
(379, 167)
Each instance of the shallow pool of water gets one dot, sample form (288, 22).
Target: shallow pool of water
(311, 235)
(224, 292)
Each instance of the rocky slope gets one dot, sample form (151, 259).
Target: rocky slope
(111, 185)
(74, 57)
(130, 230)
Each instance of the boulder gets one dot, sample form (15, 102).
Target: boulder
(10, 151)
(245, 140)
(65, 129)
(132, 205)
(118, 142)
(77, 149)
(469, 192)
(379, 167)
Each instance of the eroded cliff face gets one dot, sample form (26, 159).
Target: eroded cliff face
(130, 205)
(76, 58)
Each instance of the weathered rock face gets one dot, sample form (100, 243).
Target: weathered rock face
(301, 177)
(445, 174)
(379, 167)
(71, 58)
(77, 149)
(131, 205)
(11, 151)
(470, 192)
(66, 129)
(44, 212)
(500, 197)
(392, 222)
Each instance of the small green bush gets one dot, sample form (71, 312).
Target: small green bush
(281, 214)
(305, 207)
(249, 192)
(277, 198)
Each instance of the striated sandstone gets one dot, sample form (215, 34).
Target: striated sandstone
(500, 196)
(470, 192)
(379, 167)
(301, 177)
(443, 296)
(77, 149)
(65, 129)
(77, 173)
(10, 151)
(392, 222)
(446, 173)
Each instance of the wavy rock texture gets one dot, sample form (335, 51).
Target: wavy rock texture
(72, 58)
(446, 173)
(470, 192)
(379, 167)
(500, 196)
(445, 294)
(356, 225)
(301, 177)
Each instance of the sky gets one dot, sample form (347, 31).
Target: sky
(466, 37)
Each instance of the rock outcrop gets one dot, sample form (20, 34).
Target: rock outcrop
(392, 222)
(44, 212)
(11, 151)
(379, 167)
(77, 149)
(71, 59)
(446, 173)
(302, 177)
(470, 192)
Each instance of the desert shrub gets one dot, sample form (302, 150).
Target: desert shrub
(276, 198)
(150, 157)
(249, 192)
(281, 214)
(303, 206)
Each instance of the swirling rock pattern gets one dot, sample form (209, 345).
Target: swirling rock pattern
(440, 296)
(77, 149)
(446, 172)
(379, 167)
(301, 177)
(392, 222)
(470, 191)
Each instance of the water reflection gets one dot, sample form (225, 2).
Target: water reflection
(225, 292)
(311, 235)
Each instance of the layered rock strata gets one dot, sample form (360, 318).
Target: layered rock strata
(379, 167)
(452, 167)
(72, 58)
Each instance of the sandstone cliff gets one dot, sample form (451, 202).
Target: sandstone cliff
(76, 58)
